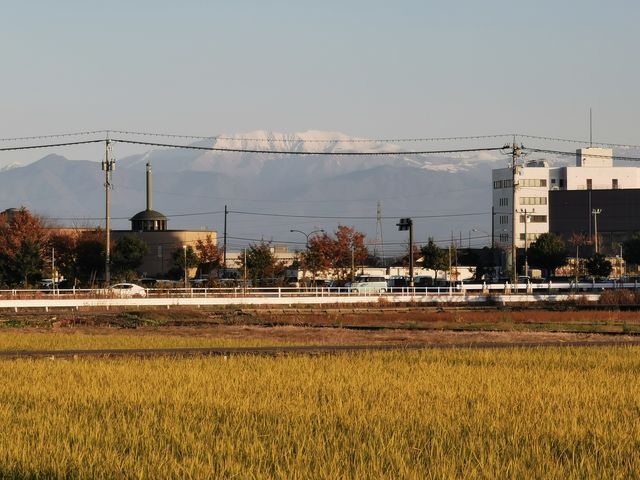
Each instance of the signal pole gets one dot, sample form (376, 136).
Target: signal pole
(403, 225)
(108, 165)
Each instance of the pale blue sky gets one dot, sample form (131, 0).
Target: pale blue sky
(365, 68)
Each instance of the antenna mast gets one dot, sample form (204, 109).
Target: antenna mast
(590, 128)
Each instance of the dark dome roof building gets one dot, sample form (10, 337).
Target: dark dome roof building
(148, 220)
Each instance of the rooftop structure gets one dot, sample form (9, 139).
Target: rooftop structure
(148, 220)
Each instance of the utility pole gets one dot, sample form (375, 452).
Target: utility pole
(53, 268)
(224, 245)
(379, 239)
(596, 212)
(450, 245)
(108, 165)
(515, 155)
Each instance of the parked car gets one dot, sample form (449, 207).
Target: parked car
(369, 285)
(126, 290)
(397, 283)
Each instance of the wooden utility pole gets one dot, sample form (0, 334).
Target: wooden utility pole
(108, 165)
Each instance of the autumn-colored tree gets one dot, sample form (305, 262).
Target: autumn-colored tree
(20, 225)
(23, 241)
(208, 254)
(63, 245)
(319, 257)
(341, 253)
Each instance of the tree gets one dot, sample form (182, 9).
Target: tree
(28, 263)
(208, 254)
(350, 250)
(347, 249)
(434, 257)
(179, 255)
(548, 252)
(89, 257)
(320, 255)
(578, 240)
(128, 255)
(23, 240)
(261, 263)
(599, 266)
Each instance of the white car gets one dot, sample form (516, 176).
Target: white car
(369, 285)
(127, 290)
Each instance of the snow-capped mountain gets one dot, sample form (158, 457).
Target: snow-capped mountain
(188, 183)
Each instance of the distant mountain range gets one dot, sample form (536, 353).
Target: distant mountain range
(190, 186)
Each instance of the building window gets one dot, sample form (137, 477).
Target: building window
(535, 219)
(504, 202)
(504, 237)
(561, 183)
(614, 183)
(533, 200)
(531, 237)
(533, 182)
(589, 184)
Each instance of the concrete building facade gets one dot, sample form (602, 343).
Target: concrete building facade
(535, 180)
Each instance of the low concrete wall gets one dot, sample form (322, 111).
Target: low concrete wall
(168, 302)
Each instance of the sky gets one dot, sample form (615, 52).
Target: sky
(374, 69)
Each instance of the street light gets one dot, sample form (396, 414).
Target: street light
(307, 235)
(479, 230)
(527, 216)
(184, 250)
(596, 212)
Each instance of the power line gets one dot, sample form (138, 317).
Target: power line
(219, 212)
(271, 140)
(57, 135)
(303, 140)
(294, 152)
(50, 145)
(326, 217)
(581, 142)
(561, 152)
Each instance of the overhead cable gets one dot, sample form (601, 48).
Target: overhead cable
(50, 145)
(238, 212)
(294, 152)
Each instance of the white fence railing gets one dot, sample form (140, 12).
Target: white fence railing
(280, 292)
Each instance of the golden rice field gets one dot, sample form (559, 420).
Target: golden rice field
(542, 413)
(15, 340)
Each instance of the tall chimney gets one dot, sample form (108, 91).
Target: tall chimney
(149, 186)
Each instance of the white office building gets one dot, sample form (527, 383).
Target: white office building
(594, 170)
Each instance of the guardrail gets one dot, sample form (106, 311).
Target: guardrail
(281, 292)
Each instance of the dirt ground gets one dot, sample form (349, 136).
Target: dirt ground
(346, 327)
(291, 334)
